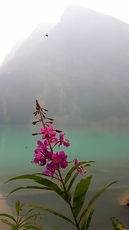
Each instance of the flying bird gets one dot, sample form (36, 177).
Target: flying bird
(46, 35)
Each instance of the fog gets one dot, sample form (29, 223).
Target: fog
(79, 71)
(19, 18)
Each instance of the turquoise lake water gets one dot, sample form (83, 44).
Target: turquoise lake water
(108, 147)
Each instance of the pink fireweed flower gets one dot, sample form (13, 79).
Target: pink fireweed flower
(49, 134)
(42, 147)
(80, 168)
(58, 161)
(53, 141)
(63, 141)
(50, 169)
(42, 154)
(39, 159)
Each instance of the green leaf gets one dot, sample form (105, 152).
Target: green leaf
(40, 180)
(26, 213)
(32, 227)
(17, 207)
(91, 211)
(72, 180)
(7, 222)
(68, 175)
(9, 216)
(66, 187)
(53, 212)
(84, 215)
(75, 176)
(79, 195)
(15, 227)
(28, 187)
(23, 223)
(117, 224)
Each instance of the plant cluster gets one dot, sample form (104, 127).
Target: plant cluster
(23, 220)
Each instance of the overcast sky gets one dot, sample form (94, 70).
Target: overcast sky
(18, 18)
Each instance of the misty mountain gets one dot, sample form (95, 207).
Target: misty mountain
(10, 55)
(79, 72)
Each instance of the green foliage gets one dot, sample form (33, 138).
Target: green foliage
(49, 185)
(21, 220)
(87, 219)
(53, 212)
(78, 197)
(88, 211)
(68, 175)
(117, 224)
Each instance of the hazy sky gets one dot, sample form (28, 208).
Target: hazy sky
(18, 18)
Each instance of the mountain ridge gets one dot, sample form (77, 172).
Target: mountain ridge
(79, 72)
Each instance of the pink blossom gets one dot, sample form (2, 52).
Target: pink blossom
(50, 169)
(58, 161)
(63, 141)
(48, 132)
(42, 148)
(42, 154)
(49, 135)
(39, 159)
(80, 168)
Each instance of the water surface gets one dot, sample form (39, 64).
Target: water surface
(108, 147)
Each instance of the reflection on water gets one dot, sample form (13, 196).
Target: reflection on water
(109, 148)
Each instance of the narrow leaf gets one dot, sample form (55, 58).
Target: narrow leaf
(29, 187)
(74, 177)
(29, 217)
(32, 227)
(40, 180)
(72, 180)
(91, 211)
(53, 212)
(79, 195)
(85, 224)
(117, 224)
(26, 213)
(83, 217)
(7, 222)
(9, 216)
